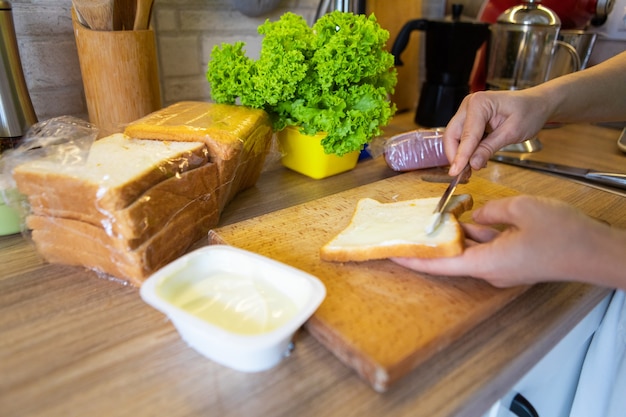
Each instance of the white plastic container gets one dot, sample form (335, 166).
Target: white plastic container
(235, 307)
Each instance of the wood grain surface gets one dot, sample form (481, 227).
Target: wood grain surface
(75, 344)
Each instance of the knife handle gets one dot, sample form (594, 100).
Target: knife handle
(608, 178)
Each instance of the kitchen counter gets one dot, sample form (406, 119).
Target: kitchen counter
(73, 343)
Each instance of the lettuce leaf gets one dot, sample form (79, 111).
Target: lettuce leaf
(333, 77)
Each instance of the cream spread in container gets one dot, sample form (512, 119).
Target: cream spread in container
(236, 303)
(235, 307)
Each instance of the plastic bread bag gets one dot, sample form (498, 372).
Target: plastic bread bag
(128, 261)
(130, 205)
(64, 139)
(238, 138)
(119, 206)
(412, 150)
(116, 172)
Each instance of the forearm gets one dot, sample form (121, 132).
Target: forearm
(593, 95)
(606, 264)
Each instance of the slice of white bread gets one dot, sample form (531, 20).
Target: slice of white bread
(72, 242)
(118, 170)
(384, 230)
(238, 138)
(194, 190)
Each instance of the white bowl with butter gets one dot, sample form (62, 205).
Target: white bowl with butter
(235, 307)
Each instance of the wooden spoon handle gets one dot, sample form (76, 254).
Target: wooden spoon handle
(124, 14)
(98, 14)
(142, 17)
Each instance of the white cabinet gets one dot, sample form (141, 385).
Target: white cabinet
(549, 387)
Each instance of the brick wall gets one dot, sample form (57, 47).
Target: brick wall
(49, 59)
(186, 32)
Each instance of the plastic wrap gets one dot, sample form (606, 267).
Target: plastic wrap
(416, 149)
(238, 138)
(121, 206)
(64, 140)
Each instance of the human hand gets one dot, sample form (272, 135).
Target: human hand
(486, 121)
(544, 240)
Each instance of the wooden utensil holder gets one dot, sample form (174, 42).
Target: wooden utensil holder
(120, 75)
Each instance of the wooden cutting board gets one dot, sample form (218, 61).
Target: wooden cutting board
(378, 318)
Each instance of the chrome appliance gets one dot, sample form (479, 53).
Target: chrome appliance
(16, 109)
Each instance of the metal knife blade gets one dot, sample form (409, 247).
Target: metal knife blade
(613, 179)
(441, 205)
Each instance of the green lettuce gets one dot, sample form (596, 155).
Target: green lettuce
(334, 77)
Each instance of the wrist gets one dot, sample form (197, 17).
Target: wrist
(605, 265)
(551, 101)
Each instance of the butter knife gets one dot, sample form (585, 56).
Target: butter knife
(441, 205)
(613, 179)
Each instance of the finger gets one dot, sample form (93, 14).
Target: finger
(435, 266)
(475, 261)
(510, 210)
(476, 116)
(490, 144)
(482, 154)
(479, 233)
(470, 140)
(452, 137)
(466, 154)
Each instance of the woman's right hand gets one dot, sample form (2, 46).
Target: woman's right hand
(486, 121)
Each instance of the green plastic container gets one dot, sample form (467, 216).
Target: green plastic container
(10, 221)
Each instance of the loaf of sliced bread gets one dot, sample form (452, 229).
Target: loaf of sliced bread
(384, 230)
(118, 170)
(192, 190)
(138, 203)
(238, 138)
(131, 207)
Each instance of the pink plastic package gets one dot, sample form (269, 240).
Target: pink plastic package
(416, 149)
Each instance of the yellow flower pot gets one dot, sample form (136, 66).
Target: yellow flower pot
(305, 154)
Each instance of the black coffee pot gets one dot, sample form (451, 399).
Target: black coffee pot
(451, 46)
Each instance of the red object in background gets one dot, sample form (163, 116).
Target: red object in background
(574, 14)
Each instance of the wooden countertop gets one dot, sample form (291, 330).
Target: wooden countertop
(72, 343)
